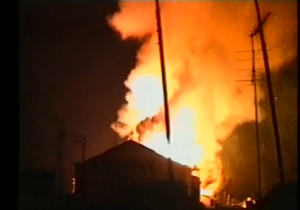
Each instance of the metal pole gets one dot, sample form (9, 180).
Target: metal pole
(163, 70)
(271, 95)
(83, 151)
(256, 119)
(82, 139)
(59, 163)
(164, 82)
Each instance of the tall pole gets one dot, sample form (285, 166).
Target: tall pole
(271, 95)
(82, 139)
(83, 151)
(256, 118)
(59, 163)
(164, 82)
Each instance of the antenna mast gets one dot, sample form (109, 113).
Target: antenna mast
(256, 118)
(270, 90)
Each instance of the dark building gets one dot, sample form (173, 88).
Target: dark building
(36, 189)
(36, 182)
(130, 167)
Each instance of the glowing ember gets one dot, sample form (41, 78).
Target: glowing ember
(205, 103)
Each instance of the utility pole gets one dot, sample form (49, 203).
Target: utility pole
(254, 80)
(270, 91)
(81, 139)
(164, 83)
(256, 118)
(59, 160)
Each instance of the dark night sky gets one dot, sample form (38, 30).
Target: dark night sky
(73, 66)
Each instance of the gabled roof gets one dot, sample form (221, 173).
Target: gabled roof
(130, 143)
(119, 146)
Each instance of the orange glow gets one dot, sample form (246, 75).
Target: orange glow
(206, 192)
(205, 200)
(200, 40)
(249, 199)
(195, 172)
(73, 185)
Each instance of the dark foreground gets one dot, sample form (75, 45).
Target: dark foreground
(281, 197)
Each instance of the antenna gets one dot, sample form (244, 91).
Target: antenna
(259, 30)
(254, 80)
(256, 118)
(81, 139)
(164, 82)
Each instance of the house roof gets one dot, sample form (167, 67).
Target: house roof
(130, 143)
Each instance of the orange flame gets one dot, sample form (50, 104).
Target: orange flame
(205, 103)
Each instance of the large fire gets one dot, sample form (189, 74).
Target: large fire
(200, 40)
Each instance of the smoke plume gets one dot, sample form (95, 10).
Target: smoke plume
(201, 40)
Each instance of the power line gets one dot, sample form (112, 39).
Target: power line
(240, 51)
(248, 80)
(247, 76)
(249, 69)
(246, 59)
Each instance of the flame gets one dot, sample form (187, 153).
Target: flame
(206, 201)
(200, 40)
(206, 192)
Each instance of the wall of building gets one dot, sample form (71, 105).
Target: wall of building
(126, 166)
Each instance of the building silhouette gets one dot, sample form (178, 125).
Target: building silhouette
(131, 170)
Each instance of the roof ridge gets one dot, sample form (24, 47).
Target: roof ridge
(133, 142)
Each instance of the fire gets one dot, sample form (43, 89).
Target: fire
(205, 103)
